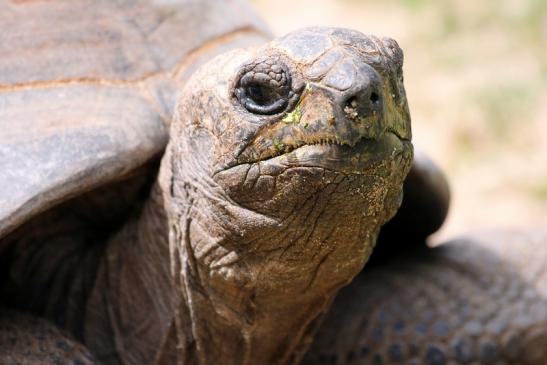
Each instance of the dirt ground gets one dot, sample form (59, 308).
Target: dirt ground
(476, 78)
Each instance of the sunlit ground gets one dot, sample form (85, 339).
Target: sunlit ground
(476, 78)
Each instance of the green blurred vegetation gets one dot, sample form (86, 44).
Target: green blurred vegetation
(457, 44)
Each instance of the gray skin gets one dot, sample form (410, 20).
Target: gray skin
(260, 214)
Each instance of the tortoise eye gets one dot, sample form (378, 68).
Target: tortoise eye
(260, 94)
(264, 88)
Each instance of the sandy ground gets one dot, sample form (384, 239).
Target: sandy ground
(476, 78)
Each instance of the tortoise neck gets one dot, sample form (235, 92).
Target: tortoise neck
(130, 308)
(231, 325)
(221, 319)
(152, 305)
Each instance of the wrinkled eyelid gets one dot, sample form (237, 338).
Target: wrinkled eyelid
(274, 80)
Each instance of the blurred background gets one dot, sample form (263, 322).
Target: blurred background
(476, 79)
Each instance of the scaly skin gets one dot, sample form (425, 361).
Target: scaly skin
(26, 339)
(481, 299)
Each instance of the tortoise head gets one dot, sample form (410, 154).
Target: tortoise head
(285, 160)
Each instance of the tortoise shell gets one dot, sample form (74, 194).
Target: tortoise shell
(87, 89)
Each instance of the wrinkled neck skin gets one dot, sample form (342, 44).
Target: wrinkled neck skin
(253, 278)
(249, 294)
(220, 296)
(130, 308)
(238, 265)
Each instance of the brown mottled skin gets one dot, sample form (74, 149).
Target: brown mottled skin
(284, 160)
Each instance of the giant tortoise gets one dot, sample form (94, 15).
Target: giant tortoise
(178, 189)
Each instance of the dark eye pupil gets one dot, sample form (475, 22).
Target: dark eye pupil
(260, 94)
(264, 87)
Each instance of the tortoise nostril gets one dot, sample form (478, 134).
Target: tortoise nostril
(364, 104)
(352, 102)
(374, 98)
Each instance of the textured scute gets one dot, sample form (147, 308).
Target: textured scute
(476, 300)
(28, 340)
(87, 89)
(44, 41)
(77, 137)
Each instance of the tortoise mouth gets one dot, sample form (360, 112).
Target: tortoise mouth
(332, 153)
(275, 148)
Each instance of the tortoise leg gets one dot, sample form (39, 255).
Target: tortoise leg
(477, 300)
(29, 340)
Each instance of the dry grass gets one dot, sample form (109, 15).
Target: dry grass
(476, 77)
